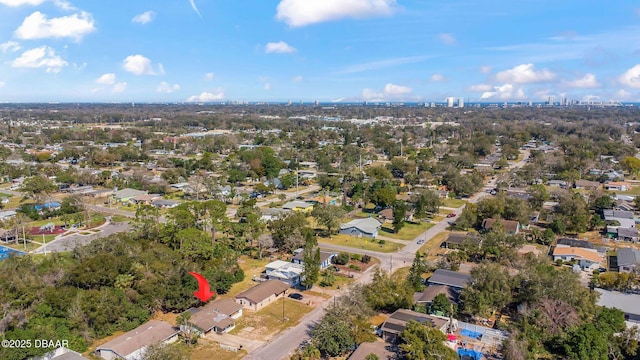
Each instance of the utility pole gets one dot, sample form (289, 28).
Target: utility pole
(297, 171)
(391, 266)
(283, 296)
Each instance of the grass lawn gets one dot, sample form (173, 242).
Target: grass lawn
(15, 202)
(251, 267)
(39, 238)
(409, 232)
(432, 247)
(400, 273)
(361, 243)
(119, 218)
(268, 321)
(21, 247)
(453, 203)
(633, 191)
(207, 349)
(341, 282)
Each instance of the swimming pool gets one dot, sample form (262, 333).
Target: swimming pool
(5, 252)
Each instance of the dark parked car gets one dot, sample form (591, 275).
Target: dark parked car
(296, 296)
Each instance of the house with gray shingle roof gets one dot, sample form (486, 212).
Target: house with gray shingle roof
(367, 227)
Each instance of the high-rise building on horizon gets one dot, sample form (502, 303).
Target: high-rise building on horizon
(460, 102)
(450, 101)
(550, 102)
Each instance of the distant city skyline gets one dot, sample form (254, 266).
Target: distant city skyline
(324, 50)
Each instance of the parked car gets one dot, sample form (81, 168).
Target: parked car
(421, 241)
(296, 296)
(452, 215)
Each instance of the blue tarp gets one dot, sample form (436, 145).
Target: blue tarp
(472, 354)
(471, 334)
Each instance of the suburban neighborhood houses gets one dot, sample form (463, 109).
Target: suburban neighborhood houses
(342, 232)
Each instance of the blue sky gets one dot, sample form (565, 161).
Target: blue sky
(326, 50)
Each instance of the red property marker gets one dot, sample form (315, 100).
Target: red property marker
(204, 292)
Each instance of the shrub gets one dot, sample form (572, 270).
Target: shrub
(355, 267)
(366, 259)
(356, 257)
(382, 241)
(341, 259)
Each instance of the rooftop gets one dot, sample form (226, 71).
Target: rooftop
(151, 332)
(450, 278)
(260, 292)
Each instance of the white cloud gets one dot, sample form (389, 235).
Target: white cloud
(107, 79)
(38, 26)
(588, 81)
(194, 7)
(393, 89)
(266, 86)
(306, 12)
(217, 95)
(485, 69)
(209, 76)
(167, 88)
(480, 87)
(382, 64)
(40, 57)
(119, 87)
(504, 92)
(144, 18)
(279, 47)
(622, 94)
(297, 79)
(64, 5)
(140, 65)
(438, 78)
(16, 3)
(447, 39)
(371, 95)
(525, 74)
(631, 77)
(10, 46)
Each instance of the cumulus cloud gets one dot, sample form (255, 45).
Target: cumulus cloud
(438, 78)
(631, 77)
(40, 57)
(9, 46)
(297, 79)
(16, 3)
(216, 95)
(480, 87)
(39, 26)
(107, 79)
(504, 92)
(209, 76)
(297, 13)
(167, 88)
(447, 39)
(279, 47)
(119, 87)
(588, 81)
(140, 65)
(525, 74)
(393, 89)
(144, 18)
(485, 69)
(372, 95)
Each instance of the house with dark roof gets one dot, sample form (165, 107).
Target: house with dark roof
(430, 292)
(628, 260)
(133, 344)
(381, 349)
(627, 234)
(262, 295)
(165, 204)
(326, 258)
(454, 279)
(397, 322)
(219, 316)
(459, 240)
(512, 227)
(575, 243)
(367, 227)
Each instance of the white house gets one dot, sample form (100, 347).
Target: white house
(588, 259)
(367, 227)
(133, 344)
(284, 271)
